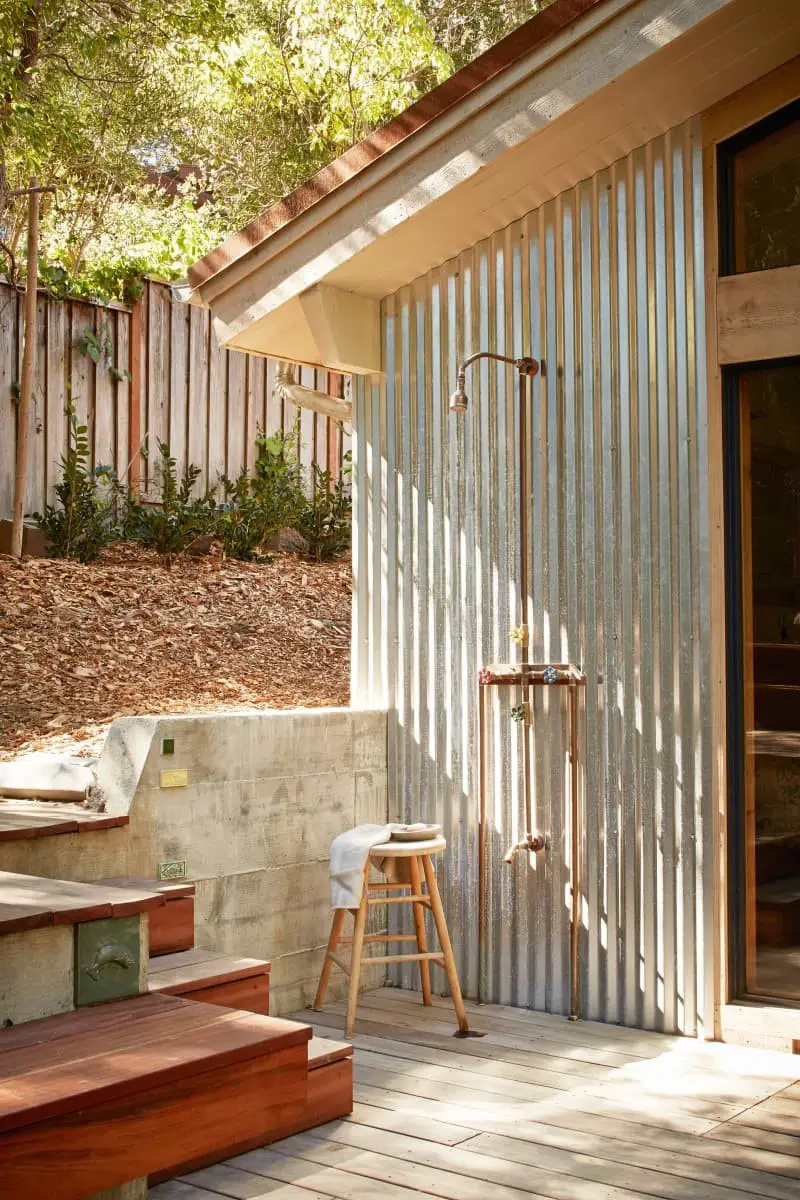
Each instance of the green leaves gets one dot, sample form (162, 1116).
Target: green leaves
(325, 522)
(97, 345)
(171, 524)
(112, 101)
(84, 520)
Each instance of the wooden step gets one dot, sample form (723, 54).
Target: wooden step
(30, 902)
(172, 926)
(91, 1099)
(330, 1083)
(46, 818)
(213, 978)
(329, 1097)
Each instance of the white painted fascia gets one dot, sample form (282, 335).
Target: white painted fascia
(323, 325)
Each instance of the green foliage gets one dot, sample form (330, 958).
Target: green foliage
(95, 509)
(325, 520)
(84, 520)
(98, 346)
(101, 100)
(258, 505)
(171, 525)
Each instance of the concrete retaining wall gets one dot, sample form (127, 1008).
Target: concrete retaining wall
(264, 796)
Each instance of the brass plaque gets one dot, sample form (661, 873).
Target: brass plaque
(176, 778)
(107, 956)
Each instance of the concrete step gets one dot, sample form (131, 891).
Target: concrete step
(44, 775)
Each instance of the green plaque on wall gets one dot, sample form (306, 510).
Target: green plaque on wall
(107, 956)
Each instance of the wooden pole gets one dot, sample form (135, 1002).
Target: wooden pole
(28, 364)
(135, 399)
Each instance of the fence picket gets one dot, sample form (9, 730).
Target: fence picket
(207, 402)
(8, 381)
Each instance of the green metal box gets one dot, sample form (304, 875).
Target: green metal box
(107, 960)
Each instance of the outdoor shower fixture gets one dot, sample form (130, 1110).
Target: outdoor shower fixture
(527, 367)
(524, 675)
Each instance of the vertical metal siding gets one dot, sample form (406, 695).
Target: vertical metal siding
(605, 284)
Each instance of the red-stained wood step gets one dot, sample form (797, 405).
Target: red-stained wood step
(213, 979)
(172, 926)
(31, 902)
(93, 1098)
(21, 819)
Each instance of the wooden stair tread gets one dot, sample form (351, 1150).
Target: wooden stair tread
(322, 1051)
(31, 902)
(171, 888)
(20, 819)
(190, 970)
(65, 1063)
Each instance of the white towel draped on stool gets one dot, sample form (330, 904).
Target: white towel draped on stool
(349, 853)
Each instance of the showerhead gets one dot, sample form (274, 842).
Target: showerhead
(459, 401)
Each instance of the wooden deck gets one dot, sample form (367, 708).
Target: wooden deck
(537, 1108)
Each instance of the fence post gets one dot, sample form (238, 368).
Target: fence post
(336, 388)
(135, 400)
(28, 370)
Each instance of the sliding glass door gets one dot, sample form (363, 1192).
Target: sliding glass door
(760, 246)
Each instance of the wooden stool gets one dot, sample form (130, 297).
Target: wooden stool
(418, 854)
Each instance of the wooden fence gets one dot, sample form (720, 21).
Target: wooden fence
(161, 376)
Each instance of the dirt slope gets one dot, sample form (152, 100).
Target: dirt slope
(80, 645)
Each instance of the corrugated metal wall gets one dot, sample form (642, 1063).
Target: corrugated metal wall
(605, 283)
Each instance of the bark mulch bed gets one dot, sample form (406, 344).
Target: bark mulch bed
(81, 645)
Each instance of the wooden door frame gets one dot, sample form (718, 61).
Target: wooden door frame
(719, 123)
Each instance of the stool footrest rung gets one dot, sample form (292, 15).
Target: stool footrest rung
(381, 937)
(429, 956)
(398, 900)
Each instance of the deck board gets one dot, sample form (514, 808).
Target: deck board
(537, 1108)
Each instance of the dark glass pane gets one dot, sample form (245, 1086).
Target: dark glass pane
(770, 403)
(767, 202)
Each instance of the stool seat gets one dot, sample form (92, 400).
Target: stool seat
(409, 849)
(422, 898)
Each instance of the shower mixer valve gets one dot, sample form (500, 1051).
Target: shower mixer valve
(532, 843)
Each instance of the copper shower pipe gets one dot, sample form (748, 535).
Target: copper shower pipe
(533, 674)
(526, 368)
(525, 676)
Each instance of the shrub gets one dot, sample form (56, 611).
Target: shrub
(84, 520)
(325, 520)
(240, 525)
(172, 524)
(257, 506)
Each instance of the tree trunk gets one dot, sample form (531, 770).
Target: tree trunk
(26, 383)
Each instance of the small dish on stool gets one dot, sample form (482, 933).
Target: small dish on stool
(419, 832)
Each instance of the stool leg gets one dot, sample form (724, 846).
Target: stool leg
(419, 929)
(327, 965)
(444, 942)
(355, 960)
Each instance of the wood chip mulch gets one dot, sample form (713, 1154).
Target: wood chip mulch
(81, 645)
